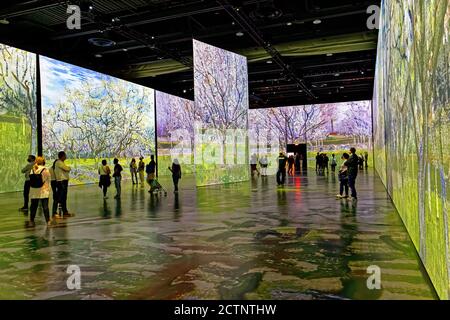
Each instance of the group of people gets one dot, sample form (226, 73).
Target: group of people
(323, 162)
(39, 181)
(293, 163)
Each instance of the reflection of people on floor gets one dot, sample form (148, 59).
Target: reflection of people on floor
(176, 207)
(39, 190)
(133, 171)
(254, 165)
(281, 173)
(26, 187)
(105, 178)
(176, 174)
(117, 178)
(264, 163)
(141, 170)
(105, 211)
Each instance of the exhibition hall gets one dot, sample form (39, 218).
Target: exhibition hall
(224, 150)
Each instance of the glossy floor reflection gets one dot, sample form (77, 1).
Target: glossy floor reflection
(241, 241)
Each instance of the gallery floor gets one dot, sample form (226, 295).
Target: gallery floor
(242, 241)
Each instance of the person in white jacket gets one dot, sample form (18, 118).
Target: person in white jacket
(40, 194)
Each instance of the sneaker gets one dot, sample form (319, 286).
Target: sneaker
(31, 224)
(57, 216)
(68, 215)
(23, 209)
(339, 196)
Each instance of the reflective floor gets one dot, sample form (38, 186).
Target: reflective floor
(241, 241)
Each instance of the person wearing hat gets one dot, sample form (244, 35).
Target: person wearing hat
(176, 173)
(141, 170)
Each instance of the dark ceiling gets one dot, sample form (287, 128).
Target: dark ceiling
(299, 51)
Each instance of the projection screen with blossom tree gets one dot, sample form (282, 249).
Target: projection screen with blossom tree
(221, 106)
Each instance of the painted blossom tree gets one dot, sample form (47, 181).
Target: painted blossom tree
(18, 87)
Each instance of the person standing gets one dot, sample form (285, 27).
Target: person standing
(26, 187)
(326, 160)
(62, 183)
(53, 184)
(150, 169)
(39, 190)
(366, 159)
(117, 178)
(141, 170)
(318, 162)
(253, 165)
(343, 178)
(105, 178)
(281, 173)
(176, 173)
(264, 163)
(133, 171)
(333, 163)
(352, 165)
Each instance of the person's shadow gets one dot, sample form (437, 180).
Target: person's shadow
(105, 210)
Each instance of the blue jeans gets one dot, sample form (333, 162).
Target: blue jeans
(351, 184)
(117, 183)
(281, 176)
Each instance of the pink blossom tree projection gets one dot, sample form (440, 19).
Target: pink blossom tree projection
(221, 105)
(175, 132)
(324, 128)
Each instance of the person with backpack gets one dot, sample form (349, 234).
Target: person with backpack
(133, 171)
(26, 187)
(176, 173)
(343, 178)
(150, 169)
(105, 178)
(62, 183)
(141, 170)
(117, 178)
(39, 190)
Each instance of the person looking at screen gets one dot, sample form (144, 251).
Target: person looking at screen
(105, 178)
(141, 170)
(26, 187)
(53, 184)
(333, 163)
(253, 165)
(343, 177)
(176, 173)
(62, 183)
(133, 171)
(281, 173)
(39, 191)
(264, 163)
(151, 171)
(117, 178)
(352, 164)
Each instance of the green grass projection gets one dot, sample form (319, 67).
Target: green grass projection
(412, 120)
(15, 146)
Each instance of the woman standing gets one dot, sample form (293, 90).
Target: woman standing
(40, 190)
(141, 170)
(133, 170)
(176, 173)
(105, 178)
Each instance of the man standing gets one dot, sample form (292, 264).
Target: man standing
(26, 187)
(62, 183)
(281, 173)
(352, 165)
(117, 178)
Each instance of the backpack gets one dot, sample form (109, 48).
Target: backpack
(36, 179)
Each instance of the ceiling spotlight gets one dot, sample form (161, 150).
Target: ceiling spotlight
(240, 34)
(98, 55)
(341, 87)
(289, 24)
(317, 21)
(362, 72)
(125, 49)
(337, 74)
(153, 37)
(233, 23)
(269, 61)
(329, 54)
(184, 91)
(91, 7)
(4, 21)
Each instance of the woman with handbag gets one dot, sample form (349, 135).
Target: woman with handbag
(105, 178)
(176, 173)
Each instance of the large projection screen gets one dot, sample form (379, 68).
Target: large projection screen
(93, 116)
(175, 132)
(221, 105)
(18, 123)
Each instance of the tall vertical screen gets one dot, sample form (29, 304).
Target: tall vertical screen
(18, 123)
(92, 117)
(221, 106)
